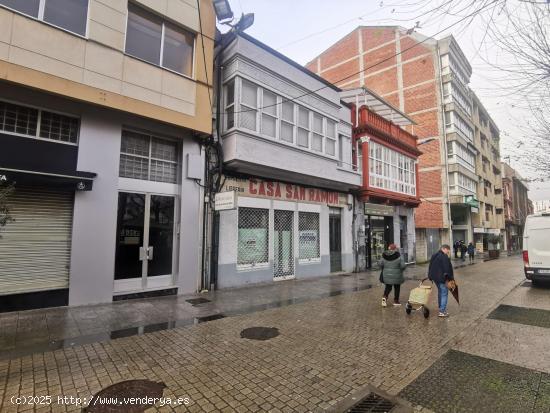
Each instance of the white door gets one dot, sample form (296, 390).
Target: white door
(145, 242)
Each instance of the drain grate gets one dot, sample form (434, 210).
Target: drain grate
(197, 301)
(108, 400)
(207, 318)
(373, 403)
(260, 333)
(521, 315)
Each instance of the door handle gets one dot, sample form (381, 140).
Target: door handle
(142, 254)
(150, 253)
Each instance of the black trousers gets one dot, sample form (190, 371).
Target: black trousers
(396, 290)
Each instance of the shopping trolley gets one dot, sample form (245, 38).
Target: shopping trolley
(418, 299)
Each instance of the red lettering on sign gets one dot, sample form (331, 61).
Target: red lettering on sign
(288, 191)
(311, 194)
(251, 187)
(261, 191)
(270, 189)
(278, 190)
(323, 197)
(302, 194)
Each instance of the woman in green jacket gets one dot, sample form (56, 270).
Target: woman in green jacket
(392, 265)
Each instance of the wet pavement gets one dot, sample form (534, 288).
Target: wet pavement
(334, 340)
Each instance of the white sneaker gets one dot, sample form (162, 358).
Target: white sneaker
(397, 304)
(443, 315)
(384, 303)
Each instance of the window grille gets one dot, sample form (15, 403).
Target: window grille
(283, 244)
(58, 127)
(308, 230)
(18, 119)
(253, 237)
(148, 158)
(38, 123)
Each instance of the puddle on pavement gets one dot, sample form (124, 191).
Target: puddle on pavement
(51, 345)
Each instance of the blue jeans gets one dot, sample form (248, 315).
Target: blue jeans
(442, 296)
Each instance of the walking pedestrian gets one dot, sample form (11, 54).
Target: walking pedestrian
(471, 252)
(440, 271)
(462, 250)
(456, 247)
(392, 265)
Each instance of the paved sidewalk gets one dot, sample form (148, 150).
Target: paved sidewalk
(28, 332)
(328, 348)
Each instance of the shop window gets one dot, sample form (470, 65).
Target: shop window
(36, 123)
(287, 121)
(230, 105)
(71, 15)
(150, 38)
(249, 106)
(308, 229)
(303, 127)
(269, 114)
(253, 237)
(148, 158)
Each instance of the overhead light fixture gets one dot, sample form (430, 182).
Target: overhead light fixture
(244, 22)
(223, 10)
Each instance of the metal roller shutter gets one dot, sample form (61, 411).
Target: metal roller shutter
(35, 249)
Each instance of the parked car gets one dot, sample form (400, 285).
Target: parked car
(536, 247)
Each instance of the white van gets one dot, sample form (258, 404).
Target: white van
(536, 247)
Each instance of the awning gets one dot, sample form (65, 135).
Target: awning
(77, 180)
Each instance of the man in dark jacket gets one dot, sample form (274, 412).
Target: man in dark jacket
(440, 271)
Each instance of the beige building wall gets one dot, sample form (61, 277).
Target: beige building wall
(95, 68)
(487, 142)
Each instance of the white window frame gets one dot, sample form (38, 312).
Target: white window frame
(162, 38)
(228, 105)
(391, 171)
(335, 138)
(247, 107)
(275, 117)
(287, 122)
(316, 134)
(308, 129)
(42, 7)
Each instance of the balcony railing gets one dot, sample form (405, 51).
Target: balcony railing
(367, 117)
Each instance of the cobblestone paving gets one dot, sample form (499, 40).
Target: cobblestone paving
(459, 382)
(327, 349)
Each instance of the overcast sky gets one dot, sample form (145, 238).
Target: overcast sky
(302, 29)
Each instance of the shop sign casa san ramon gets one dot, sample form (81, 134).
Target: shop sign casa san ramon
(259, 188)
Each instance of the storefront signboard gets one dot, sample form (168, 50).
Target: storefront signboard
(225, 200)
(494, 231)
(474, 210)
(259, 188)
(471, 200)
(377, 209)
(479, 230)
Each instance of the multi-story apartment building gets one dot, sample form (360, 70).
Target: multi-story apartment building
(103, 108)
(286, 205)
(541, 206)
(387, 156)
(428, 80)
(517, 206)
(488, 216)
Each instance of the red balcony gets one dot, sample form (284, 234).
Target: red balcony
(376, 124)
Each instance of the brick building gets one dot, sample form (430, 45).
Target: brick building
(517, 206)
(428, 80)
